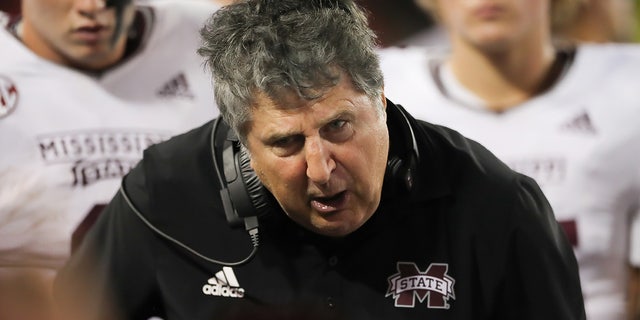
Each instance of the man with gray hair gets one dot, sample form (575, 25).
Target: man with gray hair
(348, 207)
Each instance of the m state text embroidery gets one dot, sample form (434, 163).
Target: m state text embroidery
(410, 283)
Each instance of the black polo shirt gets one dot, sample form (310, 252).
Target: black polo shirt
(473, 240)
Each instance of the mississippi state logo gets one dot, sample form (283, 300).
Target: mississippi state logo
(8, 96)
(410, 283)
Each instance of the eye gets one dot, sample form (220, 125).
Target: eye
(287, 146)
(338, 130)
(336, 124)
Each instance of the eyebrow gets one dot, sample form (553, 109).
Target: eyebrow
(271, 139)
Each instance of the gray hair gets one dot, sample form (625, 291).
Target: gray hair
(283, 47)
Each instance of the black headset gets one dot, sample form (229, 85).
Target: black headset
(244, 197)
(242, 193)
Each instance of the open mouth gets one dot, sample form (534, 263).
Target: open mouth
(329, 204)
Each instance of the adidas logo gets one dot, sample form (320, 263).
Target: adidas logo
(582, 123)
(223, 284)
(176, 87)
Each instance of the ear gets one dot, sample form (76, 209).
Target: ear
(383, 102)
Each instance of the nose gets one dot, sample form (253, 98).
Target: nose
(90, 7)
(320, 163)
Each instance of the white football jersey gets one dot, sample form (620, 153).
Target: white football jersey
(580, 140)
(67, 138)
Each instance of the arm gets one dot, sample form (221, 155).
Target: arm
(111, 276)
(33, 233)
(633, 292)
(633, 305)
(542, 280)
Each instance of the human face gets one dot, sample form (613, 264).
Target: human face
(495, 25)
(323, 160)
(75, 33)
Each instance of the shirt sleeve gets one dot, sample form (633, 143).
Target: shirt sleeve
(111, 275)
(541, 280)
(634, 232)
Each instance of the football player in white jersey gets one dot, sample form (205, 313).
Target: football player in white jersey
(565, 115)
(85, 87)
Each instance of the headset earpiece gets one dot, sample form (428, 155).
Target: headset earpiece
(261, 200)
(243, 195)
(402, 164)
(400, 172)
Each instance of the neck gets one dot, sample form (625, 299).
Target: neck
(502, 78)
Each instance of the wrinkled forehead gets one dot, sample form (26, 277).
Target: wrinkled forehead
(284, 101)
(294, 97)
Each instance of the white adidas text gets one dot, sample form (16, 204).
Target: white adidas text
(223, 284)
(222, 291)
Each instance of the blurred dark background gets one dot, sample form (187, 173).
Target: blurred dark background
(395, 20)
(11, 6)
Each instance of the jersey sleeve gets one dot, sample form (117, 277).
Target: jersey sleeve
(111, 274)
(33, 227)
(541, 280)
